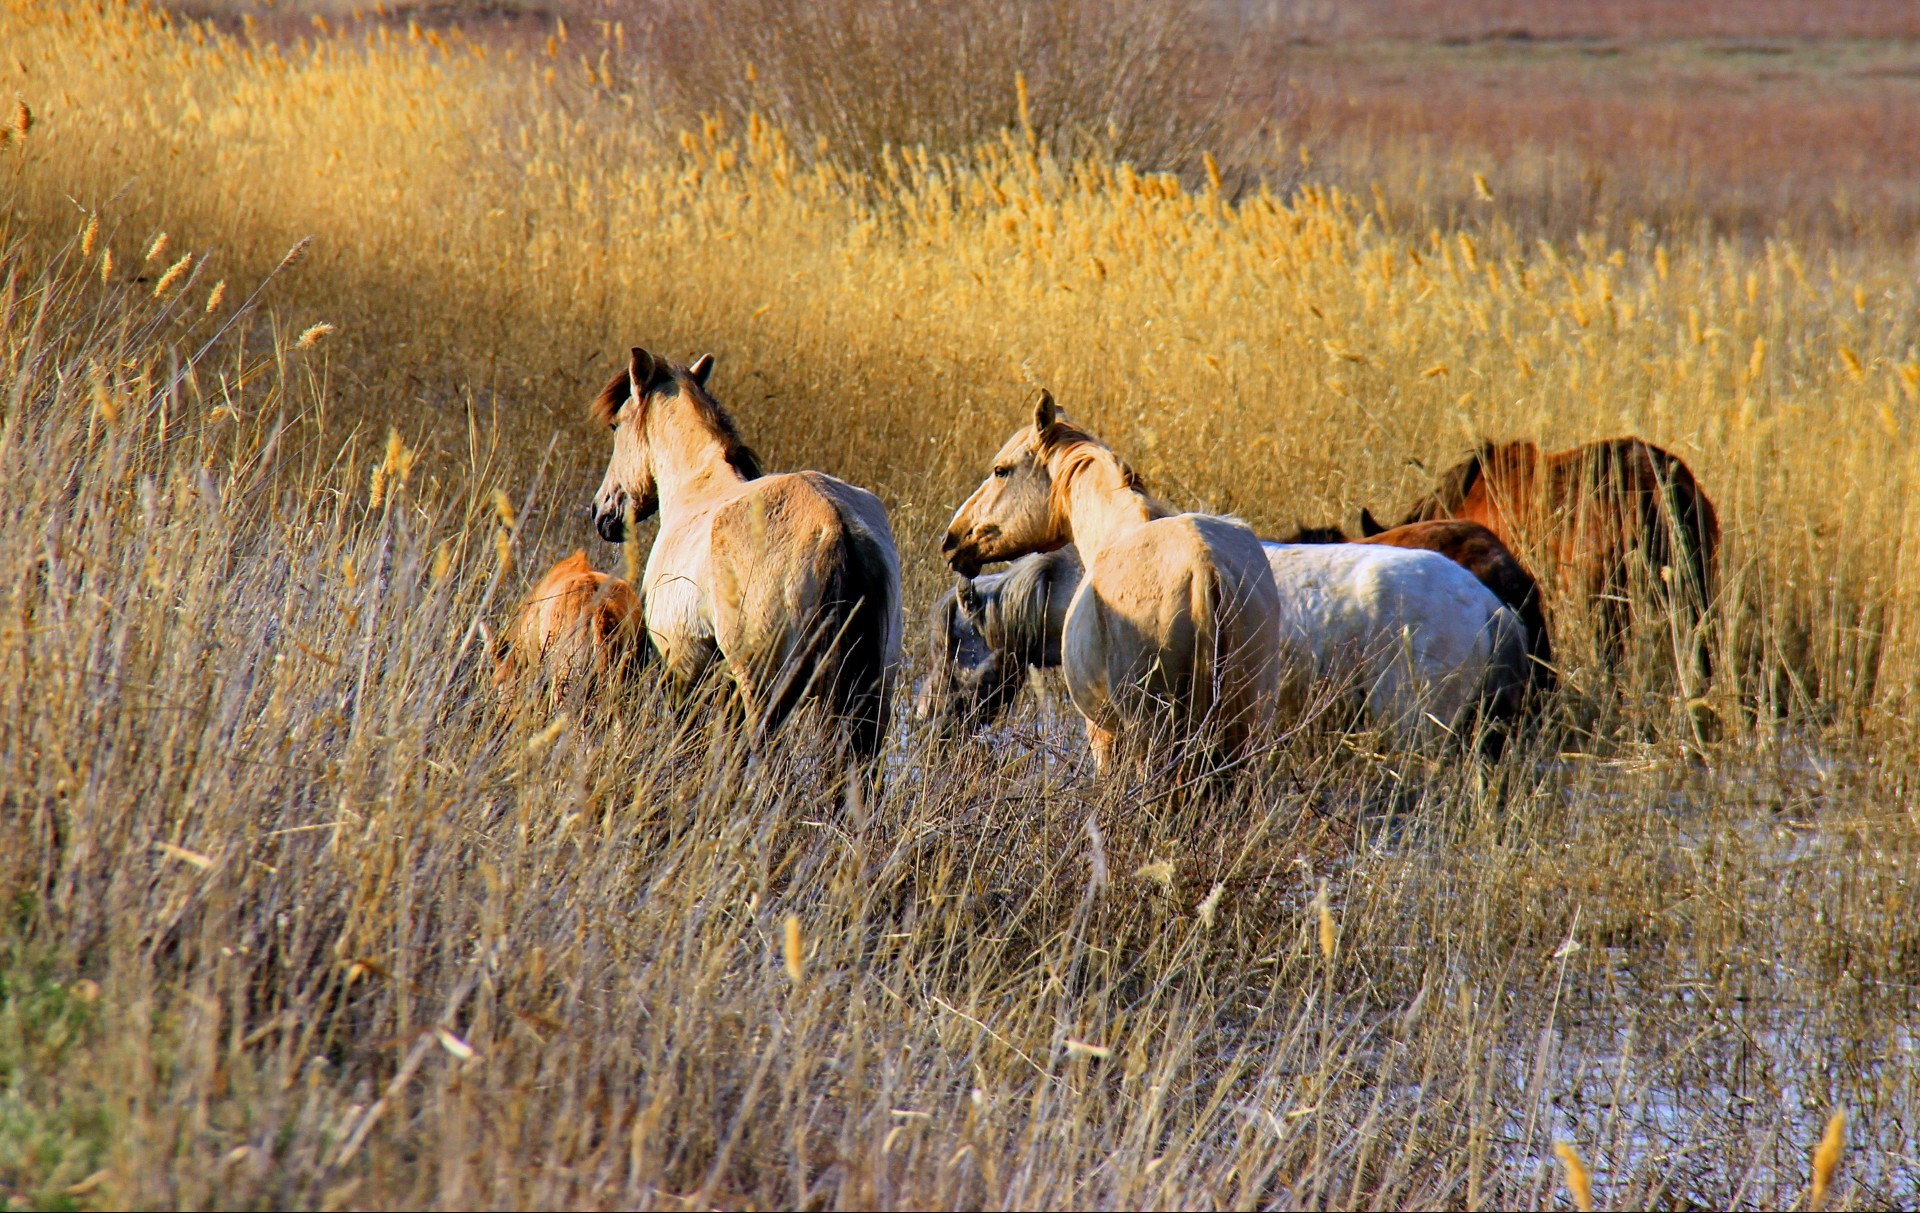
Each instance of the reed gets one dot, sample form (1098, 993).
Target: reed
(298, 912)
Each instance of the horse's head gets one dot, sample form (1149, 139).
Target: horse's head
(969, 684)
(630, 490)
(1451, 491)
(1013, 512)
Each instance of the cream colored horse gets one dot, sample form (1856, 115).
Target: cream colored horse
(790, 581)
(1172, 629)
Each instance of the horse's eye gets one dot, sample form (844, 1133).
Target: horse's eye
(1001, 473)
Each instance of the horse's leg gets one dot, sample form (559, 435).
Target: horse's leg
(1105, 744)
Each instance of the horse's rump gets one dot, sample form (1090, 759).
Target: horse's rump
(579, 623)
(806, 603)
(1406, 632)
(1175, 625)
(1479, 551)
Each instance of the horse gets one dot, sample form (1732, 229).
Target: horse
(1411, 641)
(1171, 631)
(577, 626)
(984, 635)
(1480, 552)
(790, 582)
(1594, 513)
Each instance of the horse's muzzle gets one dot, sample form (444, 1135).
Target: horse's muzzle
(960, 555)
(612, 527)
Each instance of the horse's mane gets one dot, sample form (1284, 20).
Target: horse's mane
(1020, 605)
(1317, 534)
(1075, 448)
(670, 379)
(1457, 481)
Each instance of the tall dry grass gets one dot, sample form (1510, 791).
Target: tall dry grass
(295, 917)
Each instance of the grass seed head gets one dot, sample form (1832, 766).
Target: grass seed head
(1579, 1183)
(174, 273)
(793, 950)
(1826, 1159)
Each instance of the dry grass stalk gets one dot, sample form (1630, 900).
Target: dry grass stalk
(204, 637)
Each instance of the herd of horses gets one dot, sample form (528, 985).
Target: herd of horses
(1180, 629)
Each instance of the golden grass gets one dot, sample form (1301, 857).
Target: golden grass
(295, 917)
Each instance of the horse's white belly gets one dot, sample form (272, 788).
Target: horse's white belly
(677, 613)
(1410, 633)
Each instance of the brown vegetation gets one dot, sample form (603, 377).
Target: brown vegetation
(295, 916)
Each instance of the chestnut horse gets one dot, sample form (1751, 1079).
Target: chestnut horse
(1592, 514)
(578, 626)
(1480, 552)
(789, 581)
(1172, 630)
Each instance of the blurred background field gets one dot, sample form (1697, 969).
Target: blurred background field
(296, 916)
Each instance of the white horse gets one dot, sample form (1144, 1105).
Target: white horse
(790, 581)
(1407, 638)
(1171, 632)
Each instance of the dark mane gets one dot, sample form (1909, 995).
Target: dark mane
(1454, 485)
(719, 423)
(1317, 534)
(671, 379)
(1457, 481)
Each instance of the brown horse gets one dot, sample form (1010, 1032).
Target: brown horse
(1592, 514)
(579, 626)
(1480, 552)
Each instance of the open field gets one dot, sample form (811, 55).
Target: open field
(295, 916)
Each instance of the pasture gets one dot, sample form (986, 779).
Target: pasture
(297, 338)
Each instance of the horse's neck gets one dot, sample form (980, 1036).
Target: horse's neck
(1100, 506)
(690, 467)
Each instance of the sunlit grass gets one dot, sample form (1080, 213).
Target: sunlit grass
(355, 936)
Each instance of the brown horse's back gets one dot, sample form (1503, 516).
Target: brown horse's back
(1479, 551)
(1591, 511)
(579, 622)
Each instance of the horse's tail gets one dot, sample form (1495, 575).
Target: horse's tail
(860, 599)
(1203, 607)
(1687, 529)
(1542, 677)
(1506, 684)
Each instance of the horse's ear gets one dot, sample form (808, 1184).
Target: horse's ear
(1044, 412)
(701, 368)
(642, 369)
(1369, 525)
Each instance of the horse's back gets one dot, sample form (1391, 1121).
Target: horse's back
(1407, 628)
(579, 620)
